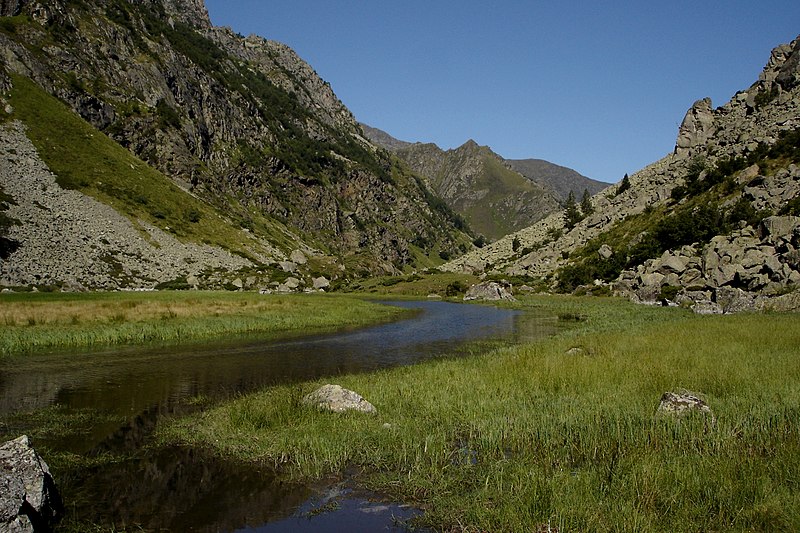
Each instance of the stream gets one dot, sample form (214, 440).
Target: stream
(111, 399)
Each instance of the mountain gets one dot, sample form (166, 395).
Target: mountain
(560, 180)
(714, 225)
(476, 184)
(496, 196)
(215, 155)
(383, 139)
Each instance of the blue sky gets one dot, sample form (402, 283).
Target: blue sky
(600, 87)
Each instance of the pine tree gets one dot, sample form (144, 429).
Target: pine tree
(571, 213)
(586, 204)
(624, 185)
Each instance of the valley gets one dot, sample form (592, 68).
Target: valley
(197, 235)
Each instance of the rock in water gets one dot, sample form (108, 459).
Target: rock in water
(489, 290)
(337, 399)
(29, 500)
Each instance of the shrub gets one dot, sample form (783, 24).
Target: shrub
(455, 289)
(177, 284)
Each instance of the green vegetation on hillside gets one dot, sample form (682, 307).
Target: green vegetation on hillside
(86, 160)
(35, 321)
(562, 432)
(695, 215)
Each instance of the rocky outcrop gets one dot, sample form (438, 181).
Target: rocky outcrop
(490, 291)
(763, 262)
(696, 128)
(338, 400)
(29, 500)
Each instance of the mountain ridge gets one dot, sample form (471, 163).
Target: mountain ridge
(496, 196)
(240, 122)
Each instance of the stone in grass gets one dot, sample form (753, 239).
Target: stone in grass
(683, 403)
(337, 399)
(29, 500)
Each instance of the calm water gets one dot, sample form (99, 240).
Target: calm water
(181, 490)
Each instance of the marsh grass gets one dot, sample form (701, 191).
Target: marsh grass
(36, 321)
(524, 436)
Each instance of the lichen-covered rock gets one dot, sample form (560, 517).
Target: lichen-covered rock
(338, 400)
(683, 403)
(29, 500)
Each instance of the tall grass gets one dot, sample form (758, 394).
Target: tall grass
(527, 436)
(30, 322)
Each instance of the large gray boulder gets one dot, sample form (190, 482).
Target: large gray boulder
(29, 500)
(489, 290)
(338, 400)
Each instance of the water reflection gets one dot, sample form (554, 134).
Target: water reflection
(142, 384)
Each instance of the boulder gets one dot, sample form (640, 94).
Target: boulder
(605, 252)
(29, 500)
(489, 290)
(671, 263)
(774, 228)
(288, 266)
(321, 283)
(298, 257)
(734, 300)
(706, 307)
(683, 403)
(338, 400)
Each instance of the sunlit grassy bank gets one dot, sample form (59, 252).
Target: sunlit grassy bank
(527, 436)
(34, 321)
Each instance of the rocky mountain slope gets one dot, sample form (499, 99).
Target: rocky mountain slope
(717, 216)
(558, 179)
(241, 125)
(494, 195)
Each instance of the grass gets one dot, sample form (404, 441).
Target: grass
(522, 437)
(36, 321)
(412, 285)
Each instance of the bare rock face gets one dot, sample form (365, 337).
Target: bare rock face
(10, 8)
(489, 290)
(338, 400)
(29, 500)
(696, 128)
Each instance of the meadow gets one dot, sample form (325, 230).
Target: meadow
(39, 321)
(561, 434)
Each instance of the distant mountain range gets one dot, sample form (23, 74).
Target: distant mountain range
(496, 196)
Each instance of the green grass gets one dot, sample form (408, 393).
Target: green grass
(518, 437)
(36, 321)
(412, 285)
